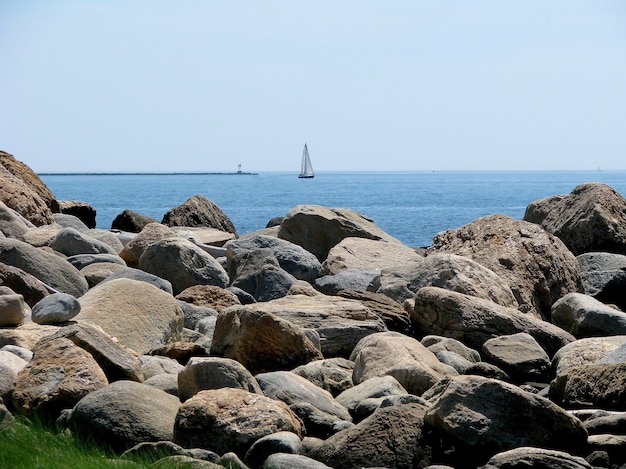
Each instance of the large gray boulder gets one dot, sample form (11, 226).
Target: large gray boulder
(30, 287)
(317, 229)
(537, 266)
(378, 387)
(12, 224)
(151, 233)
(140, 315)
(591, 218)
(584, 351)
(317, 408)
(357, 280)
(331, 374)
(445, 270)
(395, 317)
(292, 258)
(390, 353)
(583, 316)
(72, 242)
(198, 211)
(131, 222)
(80, 261)
(536, 457)
(137, 274)
(473, 321)
(604, 276)
(183, 264)
(231, 420)
(124, 414)
(57, 308)
(47, 267)
(519, 356)
(468, 412)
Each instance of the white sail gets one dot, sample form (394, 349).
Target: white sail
(306, 170)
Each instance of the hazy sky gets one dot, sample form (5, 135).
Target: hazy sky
(369, 85)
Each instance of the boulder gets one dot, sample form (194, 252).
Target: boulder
(55, 309)
(183, 264)
(58, 376)
(71, 242)
(519, 356)
(81, 210)
(107, 237)
(124, 414)
(96, 273)
(317, 408)
(537, 266)
(210, 296)
(80, 261)
(116, 361)
(393, 315)
(584, 351)
(393, 436)
(536, 457)
(201, 373)
(12, 224)
(131, 222)
(604, 276)
(212, 240)
(139, 275)
(292, 461)
(65, 220)
(40, 236)
(390, 353)
(444, 270)
(473, 321)
(290, 257)
(355, 253)
(47, 267)
(198, 211)
(468, 412)
(151, 233)
(600, 385)
(156, 365)
(345, 280)
(317, 229)
(437, 344)
(261, 341)
(11, 310)
(141, 316)
(340, 322)
(21, 197)
(584, 316)
(229, 419)
(194, 313)
(23, 283)
(10, 366)
(591, 218)
(331, 374)
(280, 442)
(25, 336)
(378, 387)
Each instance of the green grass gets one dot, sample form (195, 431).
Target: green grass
(28, 445)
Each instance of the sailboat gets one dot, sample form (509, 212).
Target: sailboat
(306, 170)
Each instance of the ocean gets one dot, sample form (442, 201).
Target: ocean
(411, 206)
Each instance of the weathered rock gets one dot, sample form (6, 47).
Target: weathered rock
(584, 351)
(47, 267)
(613, 445)
(193, 314)
(436, 344)
(81, 210)
(165, 382)
(96, 273)
(107, 237)
(355, 253)
(212, 240)
(376, 387)
(155, 450)
(604, 422)
(332, 374)
(140, 315)
(183, 264)
(291, 257)
(604, 277)
(468, 411)
(340, 323)
(474, 321)
(58, 376)
(21, 196)
(10, 366)
(280, 442)
(71, 242)
(519, 355)
(21, 352)
(55, 309)
(584, 316)
(156, 365)
(151, 233)
(116, 362)
(187, 462)
(345, 280)
(211, 296)
(25, 336)
(203, 373)
(198, 211)
(395, 317)
(12, 224)
(292, 461)
(131, 222)
(453, 359)
(317, 408)
(183, 350)
(391, 437)
(11, 310)
(600, 385)
(591, 218)
(229, 419)
(317, 229)
(80, 261)
(260, 340)
(136, 274)
(124, 414)
(23, 283)
(537, 266)
(536, 457)
(487, 370)
(6, 418)
(390, 353)
(70, 221)
(40, 236)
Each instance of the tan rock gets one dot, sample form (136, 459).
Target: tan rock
(211, 296)
(151, 233)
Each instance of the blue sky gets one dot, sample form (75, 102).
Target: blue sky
(109, 86)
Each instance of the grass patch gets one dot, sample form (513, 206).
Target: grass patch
(28, 445)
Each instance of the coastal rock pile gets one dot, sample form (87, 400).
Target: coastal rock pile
(322, 342)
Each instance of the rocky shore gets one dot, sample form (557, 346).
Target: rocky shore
(319, 341)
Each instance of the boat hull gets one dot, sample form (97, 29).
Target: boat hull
(305, 176)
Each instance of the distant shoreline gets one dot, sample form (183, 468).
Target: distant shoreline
(188, 173)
